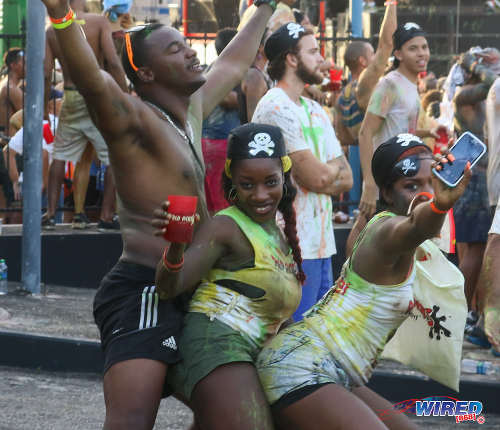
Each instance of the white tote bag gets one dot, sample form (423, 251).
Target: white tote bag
(430, 339)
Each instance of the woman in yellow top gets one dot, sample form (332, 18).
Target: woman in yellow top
(246, 276)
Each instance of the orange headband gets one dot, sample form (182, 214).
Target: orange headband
(130, 54)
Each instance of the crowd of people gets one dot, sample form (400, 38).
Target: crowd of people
(245, 319)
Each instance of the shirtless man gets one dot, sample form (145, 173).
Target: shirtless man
(11, 95)
(76, 128)
(11, 100)
(366, 69)
(155, 149)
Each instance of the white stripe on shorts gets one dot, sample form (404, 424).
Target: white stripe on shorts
(149, 308)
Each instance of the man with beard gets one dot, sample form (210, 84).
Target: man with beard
(319, 166)
(154, 143)
(394, 105)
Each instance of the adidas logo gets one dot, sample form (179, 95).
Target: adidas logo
(170, 343)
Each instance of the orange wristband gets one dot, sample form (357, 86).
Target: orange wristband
(436, 210)
(172, 267)
(67, 17)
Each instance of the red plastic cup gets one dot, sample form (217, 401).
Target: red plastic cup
(181, 223)
(335, 80)
(335, 75)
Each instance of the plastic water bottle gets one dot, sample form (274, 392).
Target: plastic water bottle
(480, 367)
(3, 277)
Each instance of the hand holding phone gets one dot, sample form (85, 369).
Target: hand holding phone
(467, 148)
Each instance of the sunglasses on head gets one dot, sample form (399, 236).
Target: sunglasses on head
(128, 43)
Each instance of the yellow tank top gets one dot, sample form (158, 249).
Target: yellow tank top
(254, 300)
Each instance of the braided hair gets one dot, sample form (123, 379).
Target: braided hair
(286, 208)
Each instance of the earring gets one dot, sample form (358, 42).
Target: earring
(232, 194)
(285, 190)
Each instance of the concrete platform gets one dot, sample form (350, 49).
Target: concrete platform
(76, 258)
(80, 258)
(55, 332)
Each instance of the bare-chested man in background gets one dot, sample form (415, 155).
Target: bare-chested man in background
(155, 150)
(11, 101)
(75, 127)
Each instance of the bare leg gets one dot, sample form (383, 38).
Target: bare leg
(471, 258)
(81, 178)
(231, 397)
(489, 290)
(56, 177)
(331, 407)
(393, 419)
(108, 197)
(132, 393)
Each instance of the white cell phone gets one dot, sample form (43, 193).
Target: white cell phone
(467, 148)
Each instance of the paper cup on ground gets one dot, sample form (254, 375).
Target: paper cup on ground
(181, 223)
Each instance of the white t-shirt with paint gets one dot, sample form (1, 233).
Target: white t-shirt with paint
(305, 126)
(396, 99)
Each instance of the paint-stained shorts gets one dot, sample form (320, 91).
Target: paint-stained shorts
(295, 363)
(75, 129)
(132, 320)
(205, 345)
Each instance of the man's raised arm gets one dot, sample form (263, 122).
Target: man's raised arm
(230, 67)
(102, 94)
(112, 63)
(370, 76)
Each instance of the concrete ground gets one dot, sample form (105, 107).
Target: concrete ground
(34, 400)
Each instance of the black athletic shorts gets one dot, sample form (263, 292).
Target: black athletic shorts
(132, 320)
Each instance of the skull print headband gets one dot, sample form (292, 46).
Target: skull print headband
(256, 141)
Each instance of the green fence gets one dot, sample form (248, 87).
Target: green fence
(12, 23)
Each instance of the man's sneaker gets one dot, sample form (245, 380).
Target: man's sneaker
(471, 321)
(112, 225)
(477, 336)
(48, 223)
(80, 221)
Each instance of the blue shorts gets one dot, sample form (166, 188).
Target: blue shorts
(319, 279)
(472, 210)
